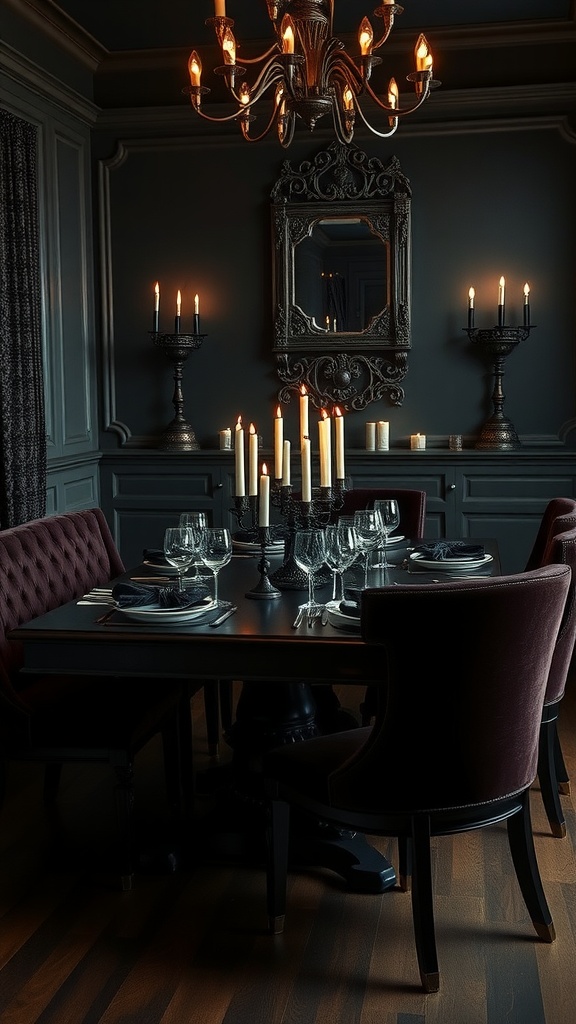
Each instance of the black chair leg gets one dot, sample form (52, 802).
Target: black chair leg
(561, 773)
(423, 905)
(548, 779)
(405, 863)
(521, 842)
(277, 839)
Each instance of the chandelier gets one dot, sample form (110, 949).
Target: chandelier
(307, 72)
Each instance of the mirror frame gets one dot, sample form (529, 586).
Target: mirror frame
(341, 367)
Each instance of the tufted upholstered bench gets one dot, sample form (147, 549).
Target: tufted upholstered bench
(57, 719)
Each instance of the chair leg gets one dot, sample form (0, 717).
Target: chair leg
(124, 808)
(277, 838)
(423, 905)
(548, 779)
(521, 842)
(561, 773)
(405, 863)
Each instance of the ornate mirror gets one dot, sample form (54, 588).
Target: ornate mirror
(341, 234)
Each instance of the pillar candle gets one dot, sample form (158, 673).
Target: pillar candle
(306, 470)
(240, 486)
(278, 444)
(370, 437)
(252, 461)
(325, 450)
(304, 432)
(286, 465)
(264, 499)
(417, 441)
(339, 435)
(382, 435)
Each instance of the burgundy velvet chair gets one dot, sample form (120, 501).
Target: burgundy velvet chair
(56, 720)
(551, 768)
(564, 507)
(455, 746)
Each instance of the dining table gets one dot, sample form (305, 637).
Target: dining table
(258, 644)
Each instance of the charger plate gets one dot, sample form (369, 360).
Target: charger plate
(448, 564)
(152, 613)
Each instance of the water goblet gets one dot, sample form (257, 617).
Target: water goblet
(197, 522)
(368, 526)
(310, 556)
(179, 550)
(216, 552)
(341, 552)
(390, 516)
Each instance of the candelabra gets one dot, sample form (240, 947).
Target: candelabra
(179, 434)
(498, 432)
(301, 515)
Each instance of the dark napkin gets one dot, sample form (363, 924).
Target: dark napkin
(132, 595)
(155, 555)
(351, 603)
(442, 550)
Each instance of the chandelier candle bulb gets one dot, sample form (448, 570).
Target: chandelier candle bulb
(155, 322)
(382, 435)
(526, 305)
(370, 437)
(324, 438)
(471, 294)
(252, 461)
(178, 312)
(264, 500)
(306, 470)
(286, 465)
(501, 301)
(417, 442)
(240, 482)
(196, 315)
(339, 436)
(278, 444)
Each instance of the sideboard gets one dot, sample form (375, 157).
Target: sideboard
(469, 493)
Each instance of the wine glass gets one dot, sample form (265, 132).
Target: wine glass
(179, 550)
(215, 551)
(368, 526)
(310, 556)
(197, 522)
(341, 552)
(390, 516)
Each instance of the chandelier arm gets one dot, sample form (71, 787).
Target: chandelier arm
(219, 120)
(270, 74)
(341, 63)
(268, 128)
(274, 49)
(343, 133)
(396, 111)
(375, 131)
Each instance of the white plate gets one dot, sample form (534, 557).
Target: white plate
(449, 564)
(252, 546)
(150, 613)
(168, 570)
(339, 619)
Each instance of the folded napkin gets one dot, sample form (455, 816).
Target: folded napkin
(351, 603)
(155, 555)
(131, 595)
(445, 549)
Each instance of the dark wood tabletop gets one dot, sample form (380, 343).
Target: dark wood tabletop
(257, 643)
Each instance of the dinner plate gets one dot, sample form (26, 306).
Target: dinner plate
(449, 564)
(253, 546)
(151, 613)
(168, 570)
(339, 619)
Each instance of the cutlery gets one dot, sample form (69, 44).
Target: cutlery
(299, 617)
(225, 615)
(104, 618)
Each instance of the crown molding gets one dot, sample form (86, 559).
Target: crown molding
(61, 30)
(25, 72)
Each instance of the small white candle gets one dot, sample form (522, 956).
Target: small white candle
(304, 431)
(225, 438)
(382, 435)
(339, 435)
(252, 461)
(306, 470)
(240, 483)
(286, 465)
(278, 444)
(264, 500)
(370, 437)
(325, 450)
(417, 441)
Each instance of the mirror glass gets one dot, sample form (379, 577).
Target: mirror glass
(341, 274)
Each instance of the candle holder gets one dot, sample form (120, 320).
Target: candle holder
(498, 432)
(264, 590)
(179, 434)
(302, 515)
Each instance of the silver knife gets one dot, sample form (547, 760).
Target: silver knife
(225, 615)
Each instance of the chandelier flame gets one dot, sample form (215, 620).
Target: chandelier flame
(307, 72)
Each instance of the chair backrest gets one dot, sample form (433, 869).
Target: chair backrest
(465, 673)
(46, 563)
(411, 505)
(556, 508)
(562, 549)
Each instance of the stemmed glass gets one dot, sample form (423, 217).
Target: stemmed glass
(310, 556)
(197, 522)
(179, 549)
(368, 526)
(341, 552)
(215, 551)
(390, 516)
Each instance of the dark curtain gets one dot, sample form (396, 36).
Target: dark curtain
(22, 423)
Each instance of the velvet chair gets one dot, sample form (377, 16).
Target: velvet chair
(59, 719)
(454, 745)
(564, 507)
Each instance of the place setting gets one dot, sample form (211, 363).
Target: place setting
(449, 558)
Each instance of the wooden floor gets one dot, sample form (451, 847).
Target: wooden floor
(189, 946)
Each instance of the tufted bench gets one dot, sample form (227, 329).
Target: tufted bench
(57, 719)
